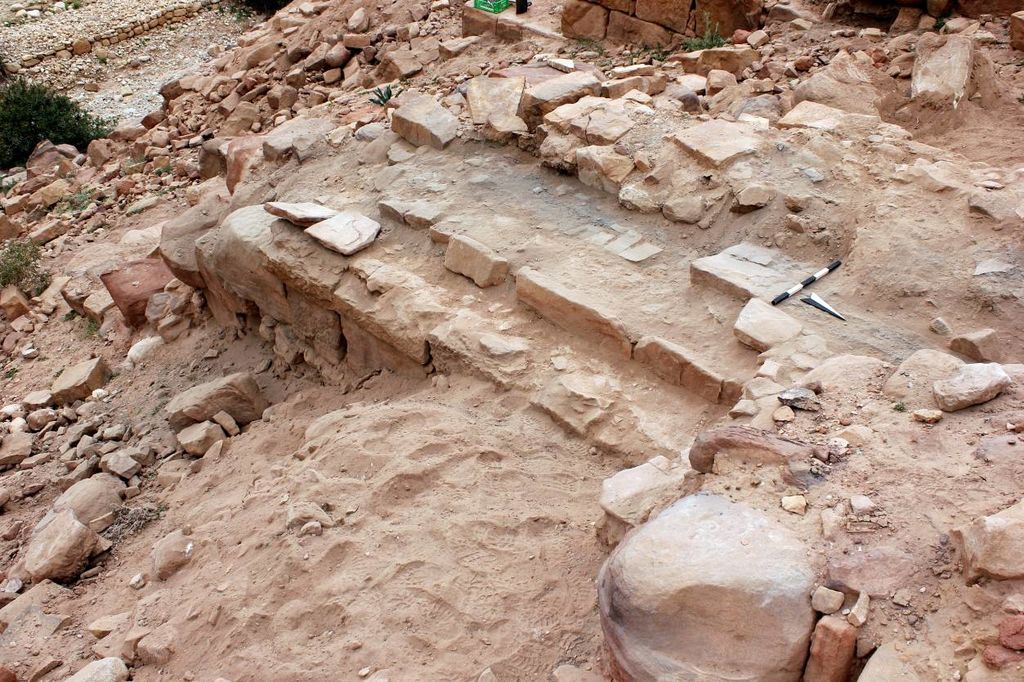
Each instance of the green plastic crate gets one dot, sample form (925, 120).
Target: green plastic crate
(495, 6)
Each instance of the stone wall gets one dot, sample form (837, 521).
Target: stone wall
(656, 22)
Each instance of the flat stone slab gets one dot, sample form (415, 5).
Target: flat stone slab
(748, 271)
(346, 233)
(808, 114)
(302, 214)
(760, 325)
(718, 142)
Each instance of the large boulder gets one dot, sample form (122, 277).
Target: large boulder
(61, 549)
(92, 500)
(237, 394)
(913, 380)
(79, 381)
(991, 546)
(942, 69)
(178, 238)
(709, 589)
(849, 84)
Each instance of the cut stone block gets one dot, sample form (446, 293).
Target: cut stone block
(79, 381)
(346, 233)
(572, 310)
(762, 326)
(718, 142)
(468, 257)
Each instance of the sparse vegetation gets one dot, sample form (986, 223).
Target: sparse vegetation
(940, 23)
(31, 113)
(587, 45)
(711, 38)
(92, 328)
(73, 203)
(899, 407)
(381, 96)
(19, 265)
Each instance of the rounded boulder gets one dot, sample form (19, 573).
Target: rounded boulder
(709, 589)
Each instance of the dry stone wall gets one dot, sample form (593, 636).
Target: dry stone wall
(656, 22)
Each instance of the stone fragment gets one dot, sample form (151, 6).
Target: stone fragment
(544, 97)
(103, 670)
(832, 649)
(171, 553)
(60, 549)
(982, 345)
(237, 394)
(200, 437)
(859, 611)
(827, 601)
(494, 97)
(227, 422)
(745, 444)
(602, 167)
(800, 398)
(466, 256)
(680, 366)
(79, 381)
(762, 326)
(346, 233)
(92, 500)
(927, 416)
(1011, 632)
(753, 197)
(972, 385)
(13, 303)
(878, 571)
(302, 512)
(913, 380)
(717, 143)
(15, 448)
(131, 285)
(990, 546)
(1017, 30)
(676, 594)
(795, 504)
(629, 497)
(422, 121)
(302, 214)
(584, 20)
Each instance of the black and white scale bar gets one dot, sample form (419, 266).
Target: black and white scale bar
(807, 282)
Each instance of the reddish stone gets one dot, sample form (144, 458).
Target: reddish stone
(131, 286)
(803, 63)
(1011, 632)
(832, 648)
(739, 36)
(7, 675)
(998, 657)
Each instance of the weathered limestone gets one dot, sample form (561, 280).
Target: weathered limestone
(990, 546)
(677, 593)
(630, 497)
(981, 345)
(302, 214)
(92, 500)
(548, 95)
(850, 85)
(761, 325)
(494, 97)
(572, 310)
(422, 121)
(15, 448)
(171, 553)
(13, 303)
(237, 394)
(79, 381)
(198, 438)
(942, 70)
(61, 548)
(974, 384)
(717, 142)
(466, 256)
(103, 670)
(913, 380)
(347, 233)
(603, 167)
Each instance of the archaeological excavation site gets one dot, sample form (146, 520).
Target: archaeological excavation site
(512, 341)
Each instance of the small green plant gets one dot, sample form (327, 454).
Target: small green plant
(102, 60)
(69, 315)
(899, 407)
(31, 113)
(381, 96)
(19, 266)
(73, 203)
(10, 372)
(940, 23)
(711, 38)
(588, 45)
(92, 328)
(1020, 100)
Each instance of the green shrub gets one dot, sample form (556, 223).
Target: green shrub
(711, 38)
(31, 113)
(19, 265)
